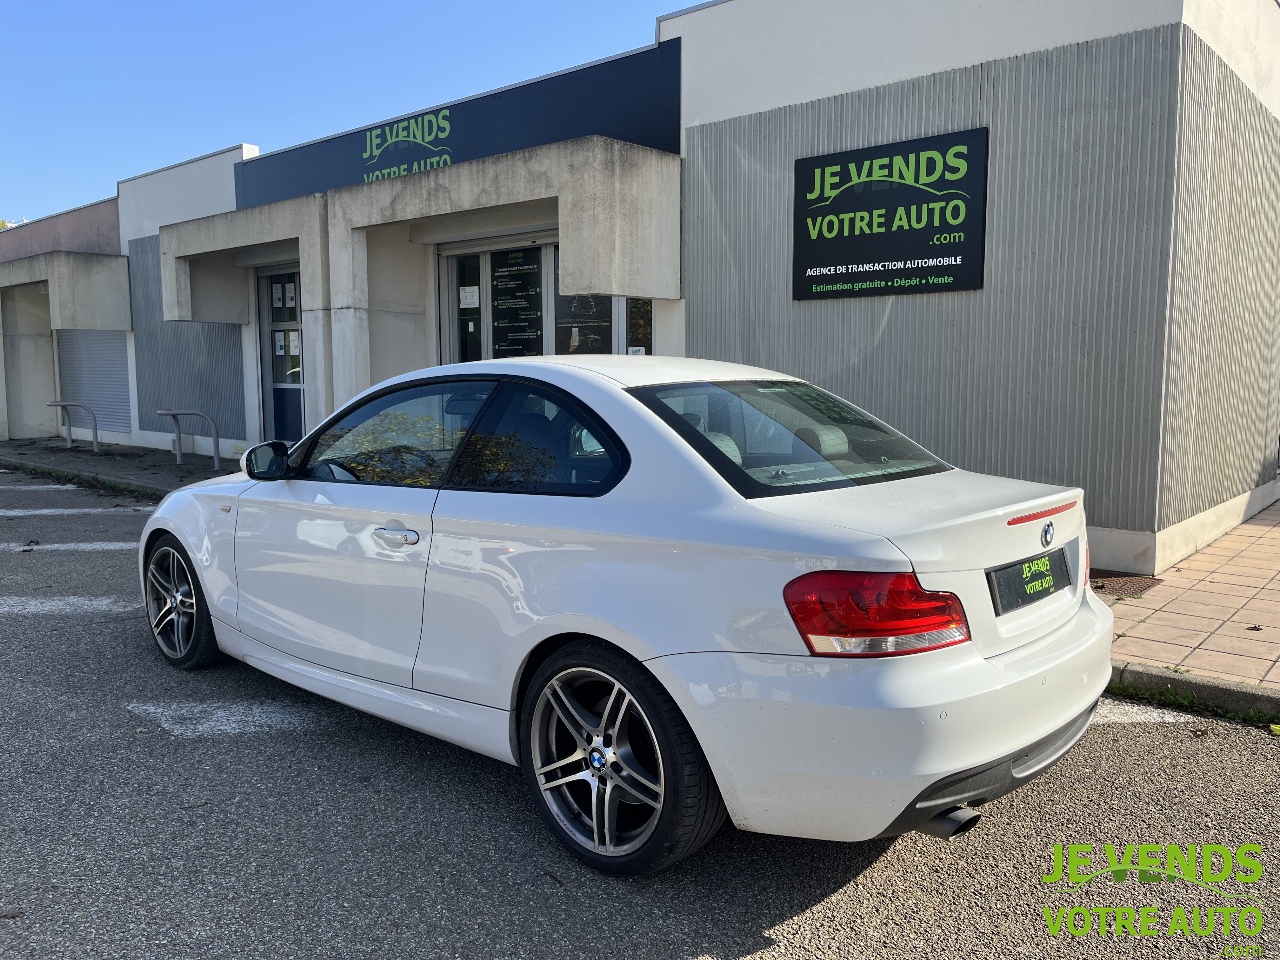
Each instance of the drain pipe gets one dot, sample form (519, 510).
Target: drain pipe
(952, 823)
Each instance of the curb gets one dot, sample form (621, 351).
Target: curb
(1210, 693)
(100, 479)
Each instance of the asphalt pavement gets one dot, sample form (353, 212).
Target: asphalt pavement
(149, 813)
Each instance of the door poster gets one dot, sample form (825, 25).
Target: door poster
(517, 303)
(583, 324)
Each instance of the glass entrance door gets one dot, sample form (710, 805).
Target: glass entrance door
(506, 303)
(467, 296)
(280, 320)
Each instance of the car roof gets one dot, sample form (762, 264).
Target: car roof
(627, 371)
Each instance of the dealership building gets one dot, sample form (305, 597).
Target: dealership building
(1042, 239)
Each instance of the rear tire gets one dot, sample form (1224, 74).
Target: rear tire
(176, 608)
(615, 769)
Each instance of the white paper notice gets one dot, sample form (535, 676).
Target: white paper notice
(279, 343)
(290, 297)
(636, 351)
(468, 297)
(276, 295)
(295, 343)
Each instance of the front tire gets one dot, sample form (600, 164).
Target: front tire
(176, 608)
(616, 771)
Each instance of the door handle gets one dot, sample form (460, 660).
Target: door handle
(396, 536)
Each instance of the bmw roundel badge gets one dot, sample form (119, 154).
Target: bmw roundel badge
(1046, 534)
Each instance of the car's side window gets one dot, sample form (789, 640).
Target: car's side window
(532, 440)
(404, 438)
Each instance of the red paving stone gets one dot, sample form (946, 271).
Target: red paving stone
(1204, 617)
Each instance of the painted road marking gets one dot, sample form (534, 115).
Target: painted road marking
(67, 547)
(192, 720)
(59, 512)
(38, 486)
(1125, 711)
(46, 606)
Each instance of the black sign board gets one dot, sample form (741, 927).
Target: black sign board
(1027, 581)
(899, 218)
(517, 303)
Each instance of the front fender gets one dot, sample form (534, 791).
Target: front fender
(203, 518)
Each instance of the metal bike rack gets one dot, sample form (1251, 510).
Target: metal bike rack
(93, 418)
(177, 432)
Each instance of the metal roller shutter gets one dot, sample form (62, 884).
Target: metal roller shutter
(93, 368)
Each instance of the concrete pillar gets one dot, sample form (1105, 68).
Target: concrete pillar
(401, 275)
(349, 302)
(30, 365)
(668, 328)
(317, 324)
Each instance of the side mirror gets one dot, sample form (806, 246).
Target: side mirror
(266, 461)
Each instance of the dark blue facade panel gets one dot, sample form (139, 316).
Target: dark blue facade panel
(634, 98)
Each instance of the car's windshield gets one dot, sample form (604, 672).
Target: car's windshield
(769, 437)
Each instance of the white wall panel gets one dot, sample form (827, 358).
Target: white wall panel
(196, 188)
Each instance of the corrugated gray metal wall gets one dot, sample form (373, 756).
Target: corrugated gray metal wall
(188, 365)
(1222, 375)
(93, 368)
(1053, 371)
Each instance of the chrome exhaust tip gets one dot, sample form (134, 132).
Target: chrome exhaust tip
(952, 823)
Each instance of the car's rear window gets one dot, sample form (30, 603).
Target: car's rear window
(771, 437)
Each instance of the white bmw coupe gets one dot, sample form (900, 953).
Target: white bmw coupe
(670, 590)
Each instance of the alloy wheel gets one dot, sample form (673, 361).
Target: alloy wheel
(596, 761)
(171, 602)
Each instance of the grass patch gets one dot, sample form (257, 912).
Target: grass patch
(1190, 703)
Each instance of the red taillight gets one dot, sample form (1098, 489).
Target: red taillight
(845, 614)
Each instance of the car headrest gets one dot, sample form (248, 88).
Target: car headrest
(827, 441)
(695, 420)
(724, 443)
(534, 429)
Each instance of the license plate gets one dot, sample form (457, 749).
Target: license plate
(1028, 581)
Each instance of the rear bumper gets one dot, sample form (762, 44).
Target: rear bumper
(846, 749)
(991, 780)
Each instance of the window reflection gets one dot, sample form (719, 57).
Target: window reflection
(531, 442)
(406, 438)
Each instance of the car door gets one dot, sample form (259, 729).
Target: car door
(331, 561)
(513, 538)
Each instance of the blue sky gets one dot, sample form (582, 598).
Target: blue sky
(93, 93)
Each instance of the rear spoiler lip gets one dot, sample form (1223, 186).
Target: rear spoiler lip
(1043, 514)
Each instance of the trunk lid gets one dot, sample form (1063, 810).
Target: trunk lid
(956, 526)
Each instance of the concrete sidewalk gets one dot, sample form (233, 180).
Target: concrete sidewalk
(1217, 613)
(1210, 631)
(136, 469)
